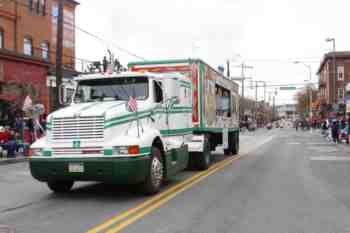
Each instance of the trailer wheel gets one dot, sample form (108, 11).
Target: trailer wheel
(60, 186)
(236, 146)
(229, 150)
(203, 158)
(154, 178)
(233, 145)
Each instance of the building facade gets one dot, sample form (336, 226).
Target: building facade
(28, 30)
(331, 95)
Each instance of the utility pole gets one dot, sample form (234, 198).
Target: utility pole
(59, 48)
(243, 68)
(334, 74)
(242, 78)
(273, 108)
(228, 68)
(15, 27)
(334, 70)
(256, 99)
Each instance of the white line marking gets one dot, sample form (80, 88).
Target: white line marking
(317, 143)
(325, 149)
(330, 158)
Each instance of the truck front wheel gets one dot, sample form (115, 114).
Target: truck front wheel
(155, 176)
(203, 158)
(60, 186)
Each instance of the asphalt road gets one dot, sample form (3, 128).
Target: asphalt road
(284, 181)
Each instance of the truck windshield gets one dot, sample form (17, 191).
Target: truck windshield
(111, 89)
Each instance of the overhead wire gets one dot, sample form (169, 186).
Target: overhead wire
(126, 51)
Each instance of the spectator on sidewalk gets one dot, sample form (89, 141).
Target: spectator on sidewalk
(19, 127)
(324, 127)
(11, 145)
(342, 124)
(30, 125)
(335, 131)
(8, 142)
(4, 135)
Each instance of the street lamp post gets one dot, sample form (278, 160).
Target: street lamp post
(310, 83)
(274, 94)
(334, 70)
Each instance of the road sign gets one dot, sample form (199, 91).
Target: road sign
(291, 88)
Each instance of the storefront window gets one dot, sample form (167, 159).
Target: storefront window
(7, 113)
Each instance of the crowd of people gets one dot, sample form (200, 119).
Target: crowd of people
(337, 130)
(16, 137)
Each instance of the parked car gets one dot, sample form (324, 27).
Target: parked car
(252, 126)
(269, 126)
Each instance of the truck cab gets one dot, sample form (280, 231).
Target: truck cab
(119, 128)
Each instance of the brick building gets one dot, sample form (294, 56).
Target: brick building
(27, 48)
(331, 99)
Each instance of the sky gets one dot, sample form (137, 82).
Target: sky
(266, 34)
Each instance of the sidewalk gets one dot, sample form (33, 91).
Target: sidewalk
(341, 146)
(19, 159)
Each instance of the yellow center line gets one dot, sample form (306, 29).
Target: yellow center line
(156, 198)
(156, 205)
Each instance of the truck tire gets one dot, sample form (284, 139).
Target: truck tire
(155, 176)
(233, 144)
(60, 186)
(229, 150)
(236, 146)
(202, 159)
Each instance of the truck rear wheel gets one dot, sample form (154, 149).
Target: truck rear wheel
(233, 144)
(60, 186)
(154, 178)
(202, 159)
(236, 146)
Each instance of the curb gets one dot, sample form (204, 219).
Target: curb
(12, 160)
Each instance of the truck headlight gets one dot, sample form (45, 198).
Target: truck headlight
(37, 151)
(126, 150)
(120, 150)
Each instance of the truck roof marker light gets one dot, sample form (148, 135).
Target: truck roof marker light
(134, 150)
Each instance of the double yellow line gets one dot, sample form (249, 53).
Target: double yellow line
(155, 202)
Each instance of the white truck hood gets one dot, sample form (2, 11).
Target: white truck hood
(91, 109)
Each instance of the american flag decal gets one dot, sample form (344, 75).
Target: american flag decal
(132, 104)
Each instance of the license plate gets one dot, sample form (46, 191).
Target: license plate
(76, 167)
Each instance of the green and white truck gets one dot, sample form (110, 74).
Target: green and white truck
(140, 127)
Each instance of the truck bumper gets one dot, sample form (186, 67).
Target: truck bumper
(111, 170)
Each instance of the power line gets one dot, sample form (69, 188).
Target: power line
(283, 60)
(46, 12)
(112, 43)
(283, 85)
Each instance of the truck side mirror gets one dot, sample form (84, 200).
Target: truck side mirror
(158, 92)
(63, 96)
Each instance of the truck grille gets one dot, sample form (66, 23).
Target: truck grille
(78, 151)
(68, 128)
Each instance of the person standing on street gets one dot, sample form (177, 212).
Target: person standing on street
(335, 131)
(324, 128)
